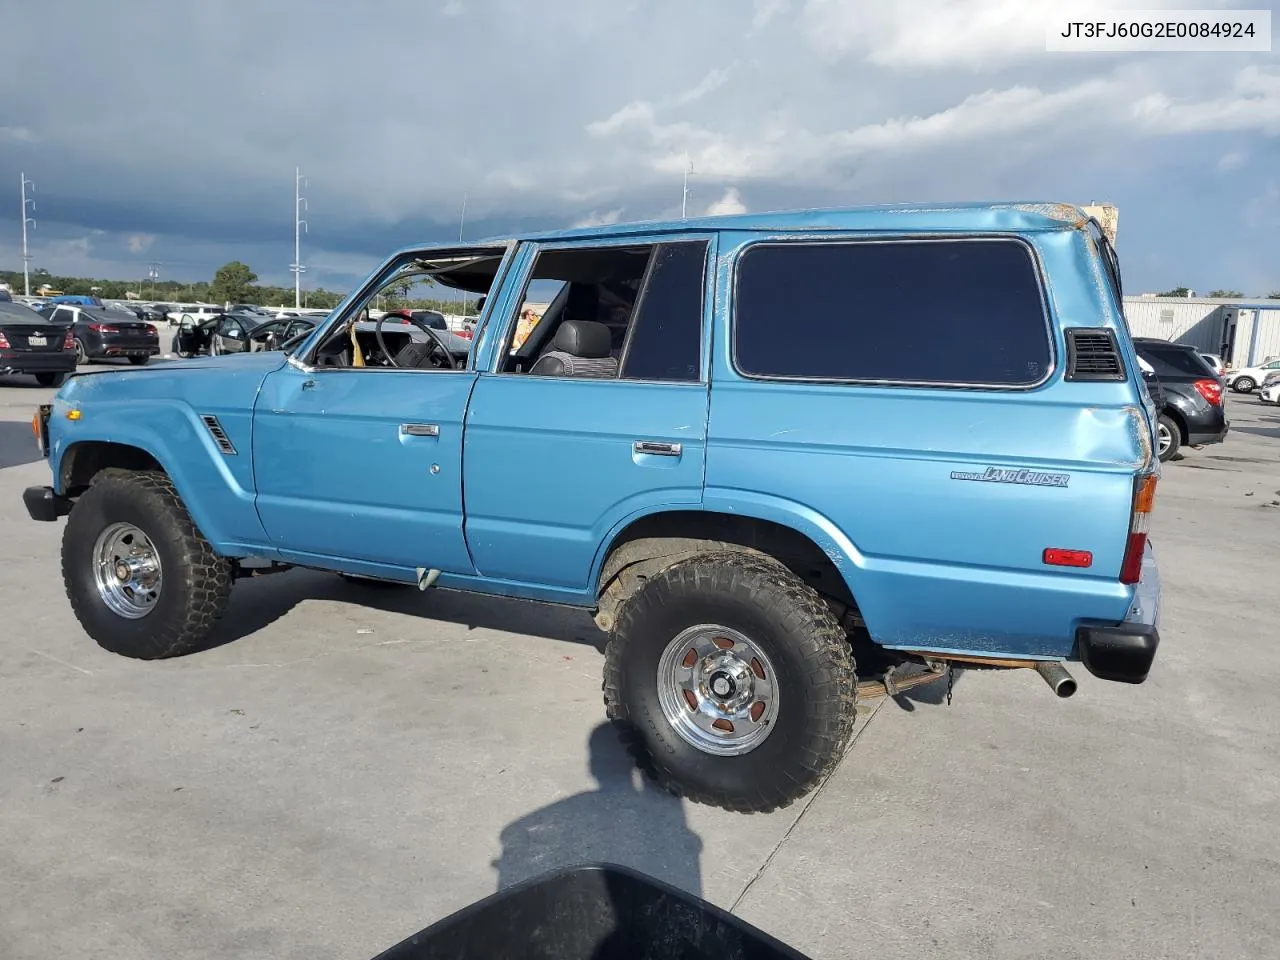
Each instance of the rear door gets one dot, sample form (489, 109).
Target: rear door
(554, 463)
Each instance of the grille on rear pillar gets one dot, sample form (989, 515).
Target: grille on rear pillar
(219, 435)
(1092, 354)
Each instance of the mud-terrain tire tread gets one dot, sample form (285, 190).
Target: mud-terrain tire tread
(817, 639)
(201, 577)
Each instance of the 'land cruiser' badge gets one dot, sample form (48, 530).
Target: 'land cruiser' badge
(1032, 478)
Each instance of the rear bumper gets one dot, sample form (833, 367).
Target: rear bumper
(1200, 437)
(59, 361)
(44, 504)
(1123, 652)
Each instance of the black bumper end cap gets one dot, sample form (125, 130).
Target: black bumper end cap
(1121, 652)
(44, 504)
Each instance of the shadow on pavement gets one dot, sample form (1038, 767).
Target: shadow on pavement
(256, 603)
(627, 820)
(17, 444)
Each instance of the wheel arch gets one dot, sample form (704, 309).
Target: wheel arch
(644, 544)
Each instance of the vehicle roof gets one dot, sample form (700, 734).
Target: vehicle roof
(11, 310)
(1157, 342)
(914, 218)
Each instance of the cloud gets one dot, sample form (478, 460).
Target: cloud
(141, 242)
(1231, 161)
(550, 114)
(598, 219)
(17, 135)
(730, 202)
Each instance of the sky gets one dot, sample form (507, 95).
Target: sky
(159, 132)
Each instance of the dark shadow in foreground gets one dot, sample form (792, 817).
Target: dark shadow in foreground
(627, 820)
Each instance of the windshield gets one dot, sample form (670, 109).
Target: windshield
(11, 312)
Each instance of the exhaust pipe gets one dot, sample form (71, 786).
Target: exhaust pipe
(1056, 676)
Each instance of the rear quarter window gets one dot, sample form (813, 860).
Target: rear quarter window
(945, 312)
(1174, 362)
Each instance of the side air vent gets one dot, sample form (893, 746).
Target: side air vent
(1092, 354)
(219, 435)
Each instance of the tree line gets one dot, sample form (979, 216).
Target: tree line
(1226, 294)
(233, 282)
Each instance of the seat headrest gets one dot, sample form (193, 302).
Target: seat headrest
(583, 338)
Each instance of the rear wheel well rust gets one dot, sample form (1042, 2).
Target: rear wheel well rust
(653, 543)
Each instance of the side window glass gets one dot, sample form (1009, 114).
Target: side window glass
(576, 311)
(666, 336)
(945, 312)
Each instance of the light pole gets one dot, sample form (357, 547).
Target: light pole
(153, 274)
(299, 225)
(684, 201)
(26, 257)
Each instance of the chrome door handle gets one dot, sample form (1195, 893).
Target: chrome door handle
(656, 448)
(420, 429)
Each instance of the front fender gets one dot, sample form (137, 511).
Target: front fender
(216, 487)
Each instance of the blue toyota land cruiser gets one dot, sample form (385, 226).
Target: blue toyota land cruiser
(755, 446)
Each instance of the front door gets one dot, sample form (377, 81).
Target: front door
(592, 410)
(363, 464)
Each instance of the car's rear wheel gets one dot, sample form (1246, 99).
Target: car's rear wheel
(139, 361)
(1244, 385)
(82, 355)
(1169, 436)
(50, 379)
(142, 580)
(731, 682)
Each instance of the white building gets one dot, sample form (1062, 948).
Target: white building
(1242, 332)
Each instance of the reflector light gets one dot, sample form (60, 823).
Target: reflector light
(1060, 557)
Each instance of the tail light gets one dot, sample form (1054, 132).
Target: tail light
(464, 334)
(4, 342)
(69, 341)
(152, 330)
(1144, 495)
(1211, 390)
(102, 328)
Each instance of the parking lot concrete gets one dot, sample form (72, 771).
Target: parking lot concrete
(349, 765)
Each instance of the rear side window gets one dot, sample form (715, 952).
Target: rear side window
(1174, 362)
(967, 312)
(666, 336)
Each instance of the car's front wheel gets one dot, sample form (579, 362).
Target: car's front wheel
(1244, 385)
(731, 682)
(142, 580)
(1169, 437)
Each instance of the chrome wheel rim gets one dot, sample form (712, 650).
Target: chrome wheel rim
(81, 355)
(1165, 437)
(718, 690)
(127, 571)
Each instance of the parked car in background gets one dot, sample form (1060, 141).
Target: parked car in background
(103, 334)
(1246, 378)
(1269, 392)
(78, 300)
(6, 296)
(237, 333)
(1194, 410)
(1215, 363)
(31, 344)
(198, 312)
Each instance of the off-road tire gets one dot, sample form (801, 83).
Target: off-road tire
(51, 379)
(1175, 437)
(195, 585)
(1243, 385)
(139, 361)
(812, 659)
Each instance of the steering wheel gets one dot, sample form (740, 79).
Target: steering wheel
(421, 325)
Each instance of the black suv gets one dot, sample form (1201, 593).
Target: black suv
(1194, 410)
